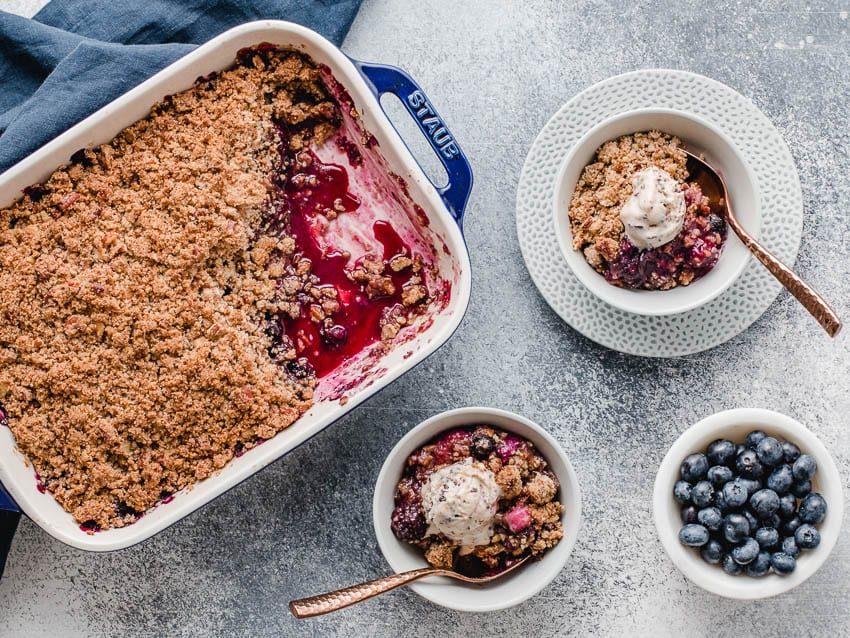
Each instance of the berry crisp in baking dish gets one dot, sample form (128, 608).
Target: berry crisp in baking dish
(171, 299)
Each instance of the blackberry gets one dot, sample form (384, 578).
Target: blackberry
(408, 521)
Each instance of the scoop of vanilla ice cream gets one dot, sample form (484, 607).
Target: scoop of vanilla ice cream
(460, 502)
(655, 212)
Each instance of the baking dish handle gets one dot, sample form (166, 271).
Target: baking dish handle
(389, 79)
(10, 514)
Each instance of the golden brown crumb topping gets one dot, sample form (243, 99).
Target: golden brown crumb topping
(134, 283)
(606, 183)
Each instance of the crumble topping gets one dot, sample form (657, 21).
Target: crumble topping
(606, 184)
(142, 289)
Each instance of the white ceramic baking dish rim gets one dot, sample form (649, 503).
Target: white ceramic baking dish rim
(134, 105)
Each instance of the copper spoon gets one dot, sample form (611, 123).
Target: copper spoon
(334, 600)
(805, 294)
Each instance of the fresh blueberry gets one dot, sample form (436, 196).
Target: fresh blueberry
(682, 492)
(807, 536)
(703, 494)
(773, 521)
(781, 479)
(765, 503)
(689, 514)
(719, 475)
(752, 485)
(746, 552)
(789, 546)
(754, 438)
(735, 528)
(720, 502)
(769, 451)
(804, 468)
(694, 468)
(483, 446)
(731, 567)
(791, 451)
(767, 537)
(787, 506)
(813, 508)
(711, 518)
(801, 488)
(720, 452)
(760, 566)
(693, 535)
(738, 449)
(748, 465)
(752, 519)
(783, 564)
(789, 527)
(712, 552)
(734, 494)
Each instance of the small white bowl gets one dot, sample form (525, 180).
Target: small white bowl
(735, 425)
(512, 588)
(698, 136)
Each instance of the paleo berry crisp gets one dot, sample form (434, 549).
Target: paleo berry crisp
(162, 305)
(638, 220)
(477, 500)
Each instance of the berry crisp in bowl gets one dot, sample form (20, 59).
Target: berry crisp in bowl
(476, 490)
(514, 511)
(613, 230)
(640, 225)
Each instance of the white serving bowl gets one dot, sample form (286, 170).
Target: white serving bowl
(735, 425)
(698, 136)
(512, 588)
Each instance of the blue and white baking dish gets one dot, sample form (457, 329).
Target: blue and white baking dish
(439, 213)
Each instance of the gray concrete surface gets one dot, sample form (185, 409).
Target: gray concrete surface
(497, 71)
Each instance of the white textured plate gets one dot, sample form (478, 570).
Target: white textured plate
(780, 197)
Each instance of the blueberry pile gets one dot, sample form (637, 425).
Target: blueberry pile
(750, 507)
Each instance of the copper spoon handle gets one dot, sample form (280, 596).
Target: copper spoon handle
(805, 294)
(331, 601)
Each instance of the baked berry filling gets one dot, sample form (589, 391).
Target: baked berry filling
(689, 256)
(347, 307)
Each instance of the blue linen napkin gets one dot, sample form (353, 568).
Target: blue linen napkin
(75, 56)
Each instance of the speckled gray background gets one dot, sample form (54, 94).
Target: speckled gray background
(497, 72)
